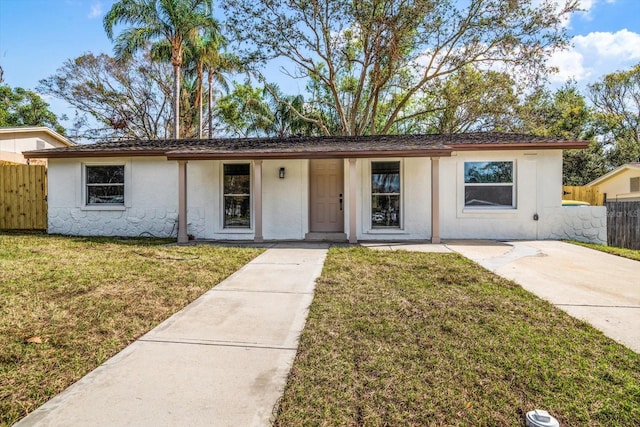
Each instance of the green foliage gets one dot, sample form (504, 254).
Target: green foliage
(370, 62)
(469, 100)
(205, 55)
(562, 114)
(22, 107)
(236, 111)
(175, 22)
(565, 114)
(611, 123)
(249, 111)
(617, 101)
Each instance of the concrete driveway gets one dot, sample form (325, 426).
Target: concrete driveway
(601, 289)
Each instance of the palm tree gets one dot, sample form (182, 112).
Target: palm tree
(175, 21)
(204, 53)
(276, 113)
(217, 66)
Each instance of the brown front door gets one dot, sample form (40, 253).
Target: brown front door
(326, 201)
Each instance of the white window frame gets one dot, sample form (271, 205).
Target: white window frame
(384, 229)
(237, 230)
(84, 205)
(493, 209)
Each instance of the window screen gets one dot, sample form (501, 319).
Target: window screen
(105, 185)
(489, 184)
(385, 194)
(237, 195)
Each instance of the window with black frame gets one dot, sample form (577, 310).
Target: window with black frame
(489, 184)
(237, 195)
(104, 184)
(385, 194)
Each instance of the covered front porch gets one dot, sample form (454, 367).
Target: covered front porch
(329, 197)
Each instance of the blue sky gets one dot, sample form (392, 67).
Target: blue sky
(37, 36)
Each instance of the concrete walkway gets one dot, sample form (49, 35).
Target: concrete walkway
(221, 361)
(601, 289)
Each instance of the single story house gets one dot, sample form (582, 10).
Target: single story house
(15, 140)
(387, 187)
(621, 184)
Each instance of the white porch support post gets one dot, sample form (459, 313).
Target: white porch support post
(257, 200)
(183, 237)
(435, 200)
(352, 201)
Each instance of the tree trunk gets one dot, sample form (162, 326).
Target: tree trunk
(176, 102)
(199, 100)
(210, 103)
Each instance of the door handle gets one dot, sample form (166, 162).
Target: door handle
(340, 201)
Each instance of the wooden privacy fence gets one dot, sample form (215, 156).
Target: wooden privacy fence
(623, 224)
(23, 197)
(590, 195)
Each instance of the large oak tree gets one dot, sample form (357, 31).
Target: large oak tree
(369, 59)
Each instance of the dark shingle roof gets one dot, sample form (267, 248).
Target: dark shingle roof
(307, 147)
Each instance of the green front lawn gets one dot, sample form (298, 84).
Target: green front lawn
(626, 253)
(402, 338)
(68, 304)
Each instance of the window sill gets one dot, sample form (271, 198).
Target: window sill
(390, 230)
(103, 208)
(488, 209)
(485, 212)
(235, 231)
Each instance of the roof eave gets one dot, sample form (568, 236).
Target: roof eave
(35, 129)
(212, 155)
(611, 174)
(54, 154)
(569, 145)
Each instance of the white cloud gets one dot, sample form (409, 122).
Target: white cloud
(596, 54)
(96, 10)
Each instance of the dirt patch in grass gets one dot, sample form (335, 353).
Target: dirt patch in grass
(68, 304)
(626, 253)
(402, 338)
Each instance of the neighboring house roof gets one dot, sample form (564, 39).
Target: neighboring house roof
(33, 130)
(613, 173)
(311, 147)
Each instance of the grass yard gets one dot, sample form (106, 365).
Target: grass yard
(68, 304)
(402, 338)
(626, 253)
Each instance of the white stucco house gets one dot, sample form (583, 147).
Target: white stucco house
(396, 187)
(16, 140)
(621, 184)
